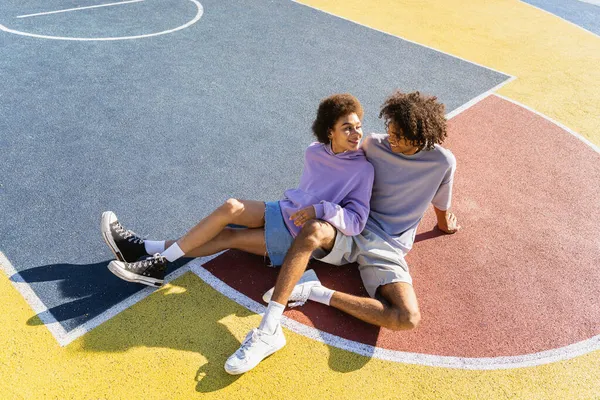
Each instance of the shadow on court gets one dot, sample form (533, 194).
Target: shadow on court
(186, 316)
(76, 293)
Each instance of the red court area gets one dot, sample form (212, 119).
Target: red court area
(522, 274)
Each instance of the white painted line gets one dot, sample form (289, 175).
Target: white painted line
(406, 40)
(60, 334)
(128, 302)
(33, 300)
(469, 363)
(571, 131)
(592, 2)
(559, 17)
(78, 8)
(477, 99)
(458, 110)
(195, 266)
(193, 21)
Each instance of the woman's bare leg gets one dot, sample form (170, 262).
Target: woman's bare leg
(248, 240)
(248, 213)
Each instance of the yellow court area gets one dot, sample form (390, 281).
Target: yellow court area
(555, 63)
(172, 346)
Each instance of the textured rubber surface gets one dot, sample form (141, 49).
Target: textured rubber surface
(144, 127)
(162, 130)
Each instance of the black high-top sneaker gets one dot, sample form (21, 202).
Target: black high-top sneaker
(150, 271)
(126, 245)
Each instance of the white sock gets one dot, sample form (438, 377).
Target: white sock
(272, 317)
(173, 253)
(321, 294)
(154, 246)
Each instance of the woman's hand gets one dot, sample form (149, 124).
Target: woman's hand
(300, 217)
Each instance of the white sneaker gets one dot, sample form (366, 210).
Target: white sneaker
(257, 346)
(301, 291)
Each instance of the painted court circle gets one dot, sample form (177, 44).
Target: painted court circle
(199, 13)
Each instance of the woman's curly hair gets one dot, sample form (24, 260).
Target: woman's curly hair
(330, 110)
(420, 117)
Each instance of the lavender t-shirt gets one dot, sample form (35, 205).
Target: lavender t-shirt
(404, 187)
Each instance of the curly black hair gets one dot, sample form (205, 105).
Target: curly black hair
(330, 110)
(420, 117)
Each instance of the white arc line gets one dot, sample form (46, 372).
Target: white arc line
(78, 8)
(34, 35)
(430, 360)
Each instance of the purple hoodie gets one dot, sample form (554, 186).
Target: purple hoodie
(338, 186)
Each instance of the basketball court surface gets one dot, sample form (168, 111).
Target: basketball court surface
(162, 109)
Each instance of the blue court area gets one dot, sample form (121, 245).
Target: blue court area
(163, 129)
(585, 13)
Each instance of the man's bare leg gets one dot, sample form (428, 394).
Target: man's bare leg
(395, 308)
(269, 338)
(399, 309)
(314, 234)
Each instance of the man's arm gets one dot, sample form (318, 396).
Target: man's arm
(446, 221)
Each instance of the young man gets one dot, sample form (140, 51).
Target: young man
(412, 171)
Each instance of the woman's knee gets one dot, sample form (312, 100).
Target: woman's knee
(231, 208)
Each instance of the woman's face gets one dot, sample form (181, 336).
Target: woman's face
(346, 134)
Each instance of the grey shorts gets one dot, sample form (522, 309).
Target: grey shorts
(379, 262)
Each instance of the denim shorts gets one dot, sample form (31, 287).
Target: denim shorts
(277, 237)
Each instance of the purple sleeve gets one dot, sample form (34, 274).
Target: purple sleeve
(350, 216)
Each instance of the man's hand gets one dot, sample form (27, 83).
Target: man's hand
(447, 221)
(300, 217)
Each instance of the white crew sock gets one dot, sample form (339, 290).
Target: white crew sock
(272, 317)
(320, 294)
(173, 253)
(154, 246)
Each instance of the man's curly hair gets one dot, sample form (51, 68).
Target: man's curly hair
(420, 117)
(330, 110)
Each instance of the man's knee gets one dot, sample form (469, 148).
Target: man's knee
(401, 320)
(316, 233)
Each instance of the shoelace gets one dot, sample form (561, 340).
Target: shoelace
(130, 236)
(247, 343)
(297, 303)
(150, 262)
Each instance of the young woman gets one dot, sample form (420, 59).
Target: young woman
(335, 186)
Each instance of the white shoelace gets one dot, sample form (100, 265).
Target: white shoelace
(130, 236)
(241, 353)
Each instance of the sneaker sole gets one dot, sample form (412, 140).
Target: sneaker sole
(131, 277)
(106, 235)
(243, 371)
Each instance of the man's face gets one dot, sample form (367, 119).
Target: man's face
(397, 141)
